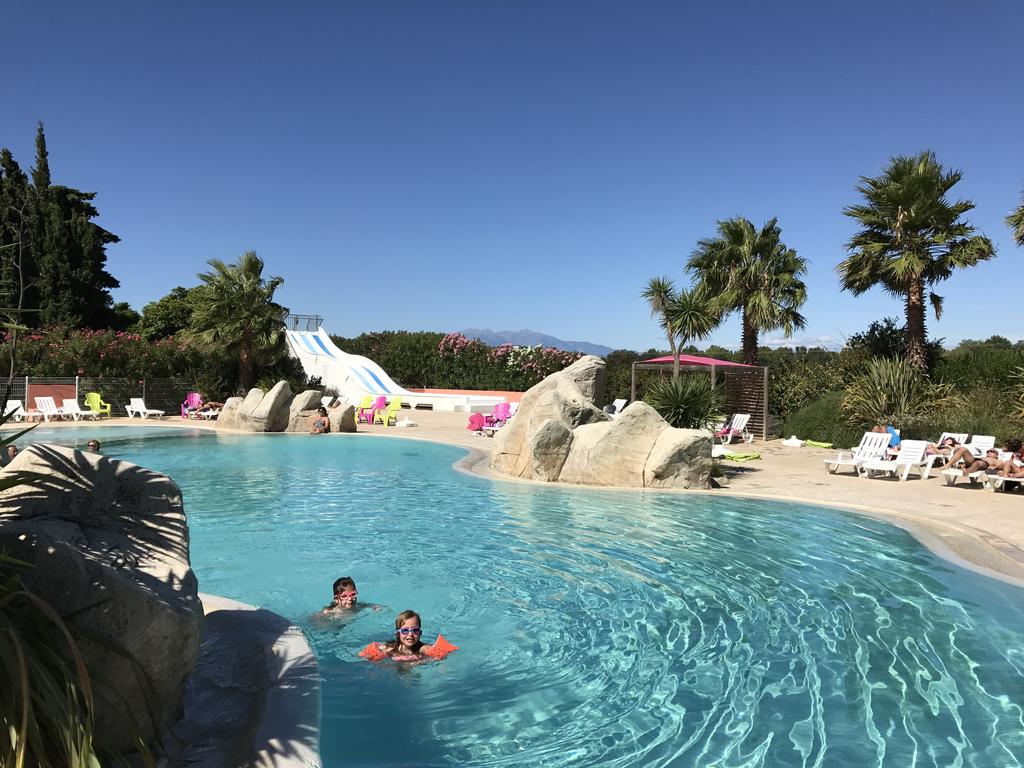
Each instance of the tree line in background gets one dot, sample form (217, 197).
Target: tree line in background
(224, 332)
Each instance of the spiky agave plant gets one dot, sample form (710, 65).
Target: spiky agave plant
(46, 702)
(689, 402)
(894, 391)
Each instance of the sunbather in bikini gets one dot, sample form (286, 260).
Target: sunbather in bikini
(943, 448)
(1014, 467)
(988, 463)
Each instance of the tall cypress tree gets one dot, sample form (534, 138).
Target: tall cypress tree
(65, 257)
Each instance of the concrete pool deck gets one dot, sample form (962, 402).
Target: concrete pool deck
(965, 523)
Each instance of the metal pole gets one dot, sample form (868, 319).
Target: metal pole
(632, 383)
(764, 404)
(76, 388)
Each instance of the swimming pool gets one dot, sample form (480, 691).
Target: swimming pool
(603, 628)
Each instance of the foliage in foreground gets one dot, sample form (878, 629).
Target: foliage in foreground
(46, 702)
(689, 402)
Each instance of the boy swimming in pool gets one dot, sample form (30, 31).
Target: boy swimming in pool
(407, 645)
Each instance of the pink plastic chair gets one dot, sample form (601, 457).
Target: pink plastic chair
(366, 414)
(193, 401)
(499, 416)
(477, 422)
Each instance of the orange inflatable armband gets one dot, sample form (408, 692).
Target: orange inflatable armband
(373, 652)
(441, 648)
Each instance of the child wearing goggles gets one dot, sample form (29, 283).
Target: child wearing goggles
(407, 645)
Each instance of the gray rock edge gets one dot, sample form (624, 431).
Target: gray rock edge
(253, 698)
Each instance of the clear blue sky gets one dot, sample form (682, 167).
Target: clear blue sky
(520, 164)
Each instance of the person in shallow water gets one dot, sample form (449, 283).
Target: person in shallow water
(321, 423)
(407, 645)
(93, 446)
(12, 451)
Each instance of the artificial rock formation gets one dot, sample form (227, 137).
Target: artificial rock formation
(109, 546)
(280, 411)
(558, 433)
(302, 409)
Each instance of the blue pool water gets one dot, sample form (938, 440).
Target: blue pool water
(604, 628)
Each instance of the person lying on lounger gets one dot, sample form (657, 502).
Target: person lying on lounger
(990, 462)
(944, 447)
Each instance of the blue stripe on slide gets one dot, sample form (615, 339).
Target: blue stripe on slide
(309, 346)
(320, 343)
(366, 385)
(379, 382)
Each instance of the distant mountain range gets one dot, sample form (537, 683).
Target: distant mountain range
(528, 338)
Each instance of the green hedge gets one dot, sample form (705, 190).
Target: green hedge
(822, 420)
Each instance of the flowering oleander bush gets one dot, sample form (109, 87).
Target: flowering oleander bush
(452, 361)
(62, 352)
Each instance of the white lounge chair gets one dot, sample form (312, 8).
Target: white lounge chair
(911, 456)
(736, 427)
(15, 410)
(617, 406)
(72, 409)
(326, 401)
(998, 482)
(981, 443)
(137, 407)
(872, 446)
(48, 408)
(978, 476)
(960, 437)
(512, 408)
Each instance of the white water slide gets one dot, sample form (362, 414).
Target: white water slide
(355, 376)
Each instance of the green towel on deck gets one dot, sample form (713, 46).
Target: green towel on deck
(741, 456)
(818, 444)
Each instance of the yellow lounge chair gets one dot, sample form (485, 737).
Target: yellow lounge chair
(389, 416)
(95, 403)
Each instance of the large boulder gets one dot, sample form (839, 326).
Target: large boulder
(259, 412)
(343, 417)
(235, 413)
(271, 415)
(547, 449)
(302, 409)
(681, 458)
(590, 374)
(614, 453)
(556, 397)
(109, 546)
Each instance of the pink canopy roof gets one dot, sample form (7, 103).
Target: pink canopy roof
(696, 360)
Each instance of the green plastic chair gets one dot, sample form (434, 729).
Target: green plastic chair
(94, 402)
(389, 416)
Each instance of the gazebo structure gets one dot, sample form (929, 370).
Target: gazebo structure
(745, 386)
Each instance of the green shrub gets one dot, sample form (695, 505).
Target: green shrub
(689, 402)
(823, 420)
(894, 392)
(980, 411)
(983, 366)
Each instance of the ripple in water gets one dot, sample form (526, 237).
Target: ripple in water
(604, 629)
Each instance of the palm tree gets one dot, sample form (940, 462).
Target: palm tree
(235, 306)
(752, 272)
(659, 293)
(692, 315)
(1016, 222)
(912, 238)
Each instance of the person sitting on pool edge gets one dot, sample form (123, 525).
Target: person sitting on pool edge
(408, 645)
(321, 422)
